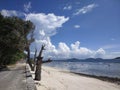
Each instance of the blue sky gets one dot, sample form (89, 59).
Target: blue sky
(71, 28)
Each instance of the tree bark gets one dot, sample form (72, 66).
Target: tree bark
(38, 69)
(28, 59)
(39, 64)
(34, 60)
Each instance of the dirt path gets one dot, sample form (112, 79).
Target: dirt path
(13, 79)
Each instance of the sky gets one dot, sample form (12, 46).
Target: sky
(71, 28)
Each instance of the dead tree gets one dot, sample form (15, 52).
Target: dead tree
(34, 63)
(28, 56)
(27, 48)
(39, 64)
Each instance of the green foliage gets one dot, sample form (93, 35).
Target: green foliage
(13, 38)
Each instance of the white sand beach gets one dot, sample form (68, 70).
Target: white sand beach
(55, 79)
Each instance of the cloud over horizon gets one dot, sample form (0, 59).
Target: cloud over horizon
(46, 26)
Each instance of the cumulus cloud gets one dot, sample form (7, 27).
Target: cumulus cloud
(100, 52)
(46, 26)
(8, 13)
(27, 6)
(79, 52)
(67, 7)
(63, 50)
(74, 51)
(76, 26)
(85, 9)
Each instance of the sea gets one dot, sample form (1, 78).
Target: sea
(100, 67)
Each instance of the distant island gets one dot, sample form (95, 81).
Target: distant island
(117, 58)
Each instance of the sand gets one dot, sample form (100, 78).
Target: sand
(55, 79)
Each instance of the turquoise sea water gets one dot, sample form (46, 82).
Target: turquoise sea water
(108, 69)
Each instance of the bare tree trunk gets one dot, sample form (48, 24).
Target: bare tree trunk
(38, 69)
(27, 48)
(28, 59)
(39, 64)
(34, 60)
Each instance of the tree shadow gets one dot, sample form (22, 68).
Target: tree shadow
(4, 68)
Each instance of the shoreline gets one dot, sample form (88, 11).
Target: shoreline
(56, 79)
(103, 78)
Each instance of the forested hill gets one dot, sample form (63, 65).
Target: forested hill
(117, 58)
(96, 60)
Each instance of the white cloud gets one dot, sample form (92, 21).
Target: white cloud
(75, 46)
(76, 26)
(8, 13)
(85, 9)
(100, 53)
(27, 6)
(63, 50)
(63, 47)
(80, 52)
(46, 26)
(67, 7)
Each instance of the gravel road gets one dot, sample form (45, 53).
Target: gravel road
(13, 79)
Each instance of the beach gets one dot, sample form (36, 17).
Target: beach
(56, 79)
